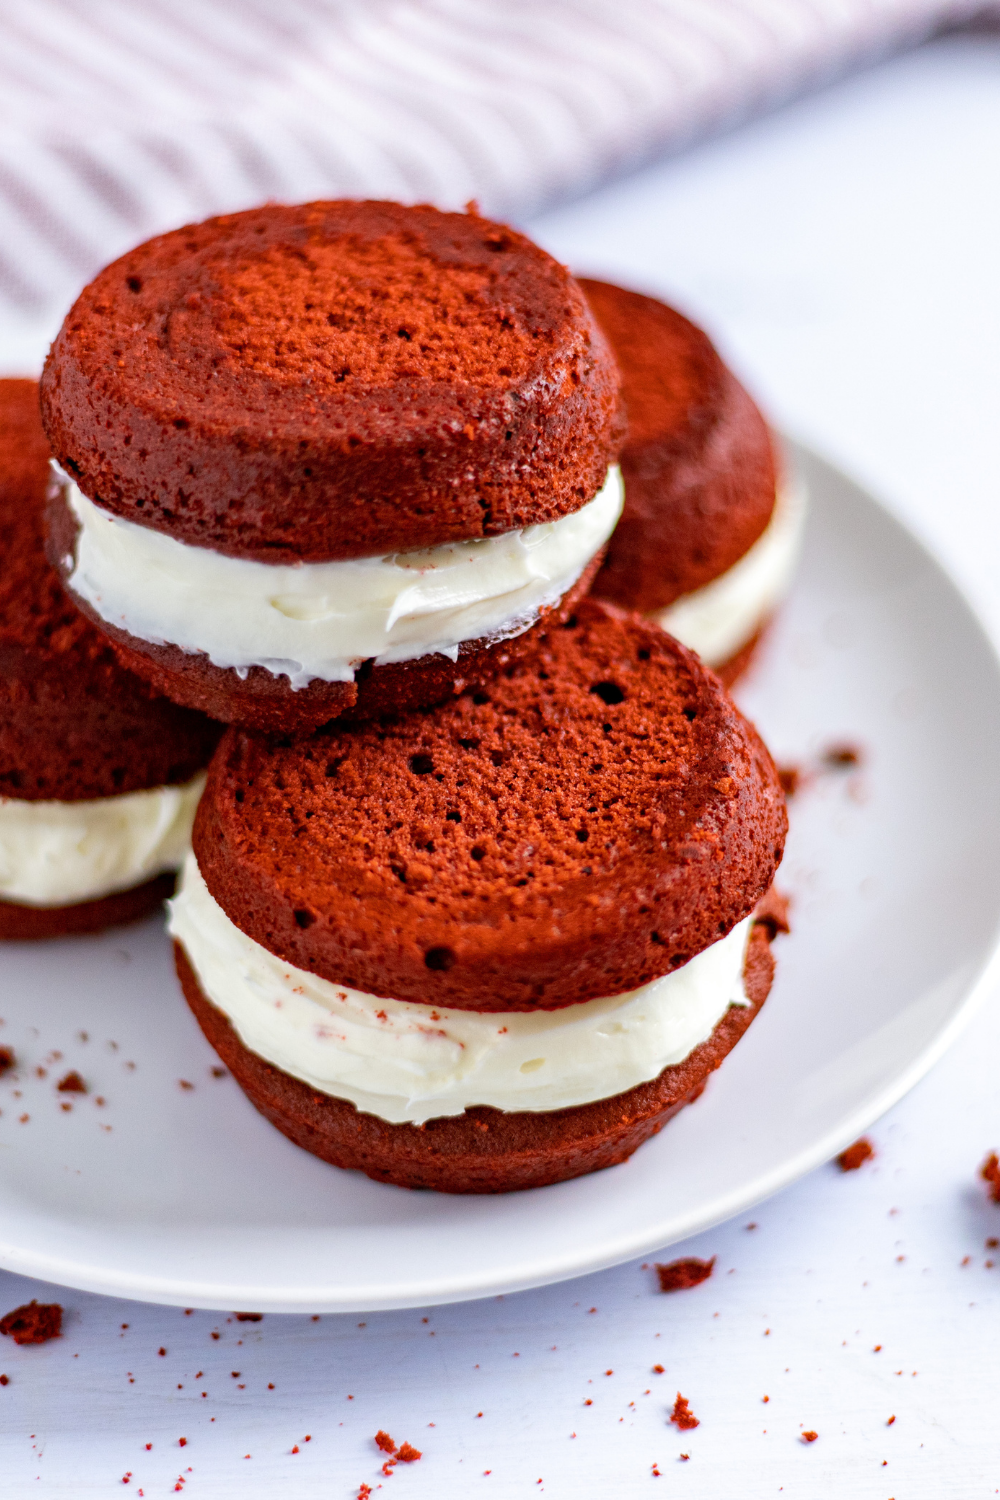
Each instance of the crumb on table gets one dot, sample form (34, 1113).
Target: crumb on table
(856, 1155)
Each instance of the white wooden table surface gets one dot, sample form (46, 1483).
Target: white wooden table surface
(845, 254)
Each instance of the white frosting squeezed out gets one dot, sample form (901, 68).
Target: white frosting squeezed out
(322, 620)
(60, 853)
(721, 618)
(406, 1062)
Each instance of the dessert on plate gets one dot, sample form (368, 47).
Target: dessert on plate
(333, 458)
(498, 943)
(709, 535)
(99, 777)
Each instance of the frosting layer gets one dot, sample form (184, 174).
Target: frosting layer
(407, 1062)
(721, 618)
(322, 620)
(60, 853)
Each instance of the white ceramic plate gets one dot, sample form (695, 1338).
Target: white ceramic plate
(185, 1195)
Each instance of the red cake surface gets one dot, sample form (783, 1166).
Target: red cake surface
(590, 821)
(335, 379)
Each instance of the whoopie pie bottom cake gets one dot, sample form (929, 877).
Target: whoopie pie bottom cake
(483, 1150)
(20, 923)
(266, 699)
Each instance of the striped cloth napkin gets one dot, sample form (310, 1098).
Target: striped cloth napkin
(121, 118)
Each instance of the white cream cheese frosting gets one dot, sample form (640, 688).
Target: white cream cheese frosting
(61, 853)
(322, 620)
(721, 618)
(406, 1062)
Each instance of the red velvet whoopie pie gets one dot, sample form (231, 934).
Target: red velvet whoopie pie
(599, 820)
(709, 532)
(337, 429)
(77, 731)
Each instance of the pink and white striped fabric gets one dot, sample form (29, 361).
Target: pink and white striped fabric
(121, 118)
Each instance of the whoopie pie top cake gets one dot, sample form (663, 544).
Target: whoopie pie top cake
(532, 898)
(310, 445)
(709, 533)
(98, 776)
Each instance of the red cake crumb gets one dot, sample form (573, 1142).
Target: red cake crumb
(851, 1159)
(990, 1172)
(682, 1416)
(4, 1380)
(6, 1059)
(249, 1317)
(72, 1084)
(843, 756)
(772, 912)
(809, 1437)
(681, 1274)
(790, 777)
(404, 1454)
(34, 1323)
(364, 1492)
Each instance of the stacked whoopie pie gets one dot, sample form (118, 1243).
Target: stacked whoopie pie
(99, 777)
(710, 532)
(332, 458)
(479, 885)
